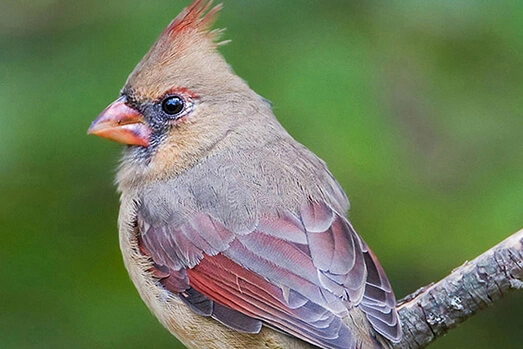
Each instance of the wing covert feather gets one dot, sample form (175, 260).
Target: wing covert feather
(299, 275)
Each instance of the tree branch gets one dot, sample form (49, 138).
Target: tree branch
(432, 311)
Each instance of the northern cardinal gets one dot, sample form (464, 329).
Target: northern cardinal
(229, 228)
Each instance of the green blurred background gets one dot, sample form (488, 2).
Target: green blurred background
(416, 107)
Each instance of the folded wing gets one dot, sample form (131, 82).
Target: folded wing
(297, 272)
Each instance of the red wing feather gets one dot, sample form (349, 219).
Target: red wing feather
(302, 282)
(235, 287)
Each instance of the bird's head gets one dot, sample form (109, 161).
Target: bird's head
(180, 100)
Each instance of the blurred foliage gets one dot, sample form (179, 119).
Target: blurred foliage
(415, 106)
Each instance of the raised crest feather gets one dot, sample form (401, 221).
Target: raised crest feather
(186, 48)
(195, 18)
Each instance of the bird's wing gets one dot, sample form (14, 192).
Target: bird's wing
(299, 273)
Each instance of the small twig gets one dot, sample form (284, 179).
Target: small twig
(432, 311)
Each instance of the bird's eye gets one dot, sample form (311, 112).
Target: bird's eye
(173, 105)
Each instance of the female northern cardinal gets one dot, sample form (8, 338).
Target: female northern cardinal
(229, 228)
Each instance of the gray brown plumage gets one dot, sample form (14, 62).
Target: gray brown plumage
(229, 228)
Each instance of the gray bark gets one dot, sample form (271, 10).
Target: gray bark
(433, 310)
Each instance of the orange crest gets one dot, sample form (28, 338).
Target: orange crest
(196, 17)
(183, 49)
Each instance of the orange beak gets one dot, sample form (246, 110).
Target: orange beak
(121, 123)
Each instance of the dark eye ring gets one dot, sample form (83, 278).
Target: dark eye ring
(173, 105)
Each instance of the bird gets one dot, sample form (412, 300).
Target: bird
(234, 234)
